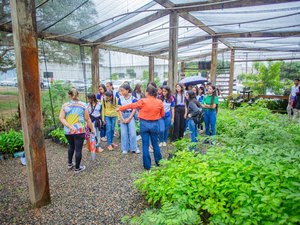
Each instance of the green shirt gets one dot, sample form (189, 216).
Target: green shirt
(207, 101)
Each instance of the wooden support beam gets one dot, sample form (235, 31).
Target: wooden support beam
(259, 34)
(129, 51)
(95, 69)
(173, 50)
(221, 4)
(151, 68)
(133, 26)
(269, 59)
(204, 55)
(266, 49)
(231, 73)
(214, 58)
(182, 66)
(27, 63)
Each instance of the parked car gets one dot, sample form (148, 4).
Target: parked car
(13, 82)
(80, 85)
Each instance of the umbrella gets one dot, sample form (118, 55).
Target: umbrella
(193, 80)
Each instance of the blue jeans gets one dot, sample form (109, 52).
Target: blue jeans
(193, 129)
(110, 128)
(128, 134)
(150, 129)
(210, 119)
(164, 124)
(103, 131)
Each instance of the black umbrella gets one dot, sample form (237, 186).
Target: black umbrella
(193, 80)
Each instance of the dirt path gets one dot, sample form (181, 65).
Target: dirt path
(102, 194)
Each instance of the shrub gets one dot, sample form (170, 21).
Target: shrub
(12, 122)
(59, 135)
(11, 142)
(250, 177)
(168, 214)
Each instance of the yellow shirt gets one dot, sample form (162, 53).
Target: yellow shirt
(109, 108)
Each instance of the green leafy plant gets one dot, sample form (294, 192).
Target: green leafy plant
(168, 214)
(250, 177)
(11, 142)
(59, 135)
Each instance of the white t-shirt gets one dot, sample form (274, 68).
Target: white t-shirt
(294, 90)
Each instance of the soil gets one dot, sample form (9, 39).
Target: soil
(102, 194)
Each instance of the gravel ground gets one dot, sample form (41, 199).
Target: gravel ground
(102, 194)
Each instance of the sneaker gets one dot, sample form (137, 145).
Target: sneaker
(70, 166)
(124, 152)
(164, 144)
(160, 144)
(80, 169)
(137, 151)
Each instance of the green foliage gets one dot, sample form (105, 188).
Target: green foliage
(59, 97)
(268, 78)
(250, 177)
(59, 135)
(11, 142)
(168, 214)
(289, 70)
(272, 104)
(115, 76)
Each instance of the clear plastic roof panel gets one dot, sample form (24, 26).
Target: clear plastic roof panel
(178, 2)
(155, 35)
(280, 44)
(277, 18)
(90, 20)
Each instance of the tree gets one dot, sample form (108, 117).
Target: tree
(47, 15)
(290, 70)
(268, 78)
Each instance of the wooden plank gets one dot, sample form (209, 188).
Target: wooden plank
(231, 73)
(259, 34)
(273, 97)
(265, 49)
(214, 58)
(269, 59)
(133, 26)
(173, 50)
(151, 68)
(27, 64)
(95, 69)
(182, 67)
(221, 4)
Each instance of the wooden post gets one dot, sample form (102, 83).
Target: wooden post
(95, 69)
(151, 68)
(182, 67)
(231, 75)
(27, 63)
(214, 57)
(173, 49)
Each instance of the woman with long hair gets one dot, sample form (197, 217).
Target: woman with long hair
(180, 112)
(100, 97)
(151, 110)
(193, 110)
(209, 105)
(95, 109)
(73, 116)
(128, 130)
(168, 119)
(109, 117)
(137, 92)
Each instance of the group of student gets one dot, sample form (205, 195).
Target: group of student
(156, 110)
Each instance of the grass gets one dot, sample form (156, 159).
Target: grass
(8, 105)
